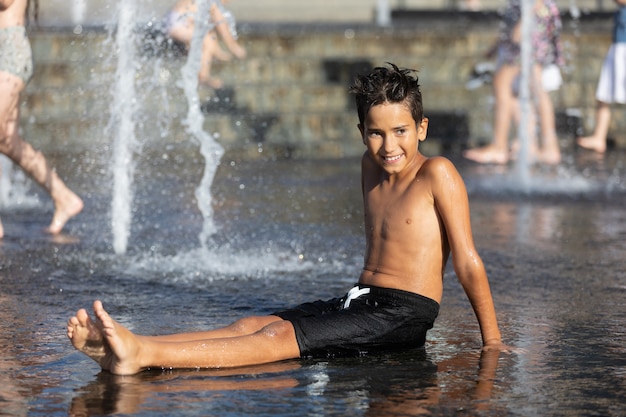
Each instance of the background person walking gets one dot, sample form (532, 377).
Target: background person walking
(612, 84)
(16, 68)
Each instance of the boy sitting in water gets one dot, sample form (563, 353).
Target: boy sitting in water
(416, 213)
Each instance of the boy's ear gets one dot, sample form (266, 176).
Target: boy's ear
(422, 129)
(361, 129)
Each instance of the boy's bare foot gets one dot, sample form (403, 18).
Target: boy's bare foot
(487, 155)
(592, 143)
(105, 341)
(1, 230)
(63, 211)
(86, 336)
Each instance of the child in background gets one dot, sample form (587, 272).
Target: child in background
(16, 68)
(180, 26)
(547, 55)
(612, 84)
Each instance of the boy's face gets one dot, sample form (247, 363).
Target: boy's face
(391, 135)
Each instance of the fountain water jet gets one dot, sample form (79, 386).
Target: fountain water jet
(210, 149)
(124, 115)
(122, 122)
(524, 135)
(14, 186)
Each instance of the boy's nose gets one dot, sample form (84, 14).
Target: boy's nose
(390, 144)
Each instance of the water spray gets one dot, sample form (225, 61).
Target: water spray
(122, 124)
(210, 149)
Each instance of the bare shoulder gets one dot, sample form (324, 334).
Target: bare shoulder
(443, 177)
(438, 167)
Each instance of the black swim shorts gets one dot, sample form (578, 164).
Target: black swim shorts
(366, 319)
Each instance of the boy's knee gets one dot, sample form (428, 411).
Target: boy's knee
(279, 329)
(281, 336)
(252, 324)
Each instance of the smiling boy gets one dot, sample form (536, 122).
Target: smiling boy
(416, 214)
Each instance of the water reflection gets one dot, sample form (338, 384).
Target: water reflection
(114, 394)
(12, 396)
(400, 384)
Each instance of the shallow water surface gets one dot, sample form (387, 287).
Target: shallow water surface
(290, 231)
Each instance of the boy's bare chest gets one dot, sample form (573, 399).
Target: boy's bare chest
(406, 211)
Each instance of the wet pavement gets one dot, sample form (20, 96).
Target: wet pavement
(290, 231)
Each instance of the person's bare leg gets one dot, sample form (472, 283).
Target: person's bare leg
(127, 353)
(597, 141)
(66, 203)
(209, 48)
(531, 134)
(550, 152)
(497, 152)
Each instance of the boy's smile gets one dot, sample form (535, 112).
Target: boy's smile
(392, 135)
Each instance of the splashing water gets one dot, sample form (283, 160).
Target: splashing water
(122, 122)
(124, 114)
(14, 187)
(209, 148)
(523, 165)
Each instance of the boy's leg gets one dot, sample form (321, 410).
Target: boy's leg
(120, 351)
(241, 327)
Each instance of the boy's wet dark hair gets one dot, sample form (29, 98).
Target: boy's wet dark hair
(388, 85)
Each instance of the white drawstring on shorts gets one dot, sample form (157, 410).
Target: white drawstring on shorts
(355, 292)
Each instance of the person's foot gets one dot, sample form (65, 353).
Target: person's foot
(211, 82)
(64, 210)
(487, 155)
(107, 342)
(86, 336)
(531, 149)
(592, 143)
(550, 157)
(1, 230)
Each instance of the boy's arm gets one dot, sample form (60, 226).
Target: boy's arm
(451, 202)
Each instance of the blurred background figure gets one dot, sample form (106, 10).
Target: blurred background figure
(16, 68)
(611, 85)
(545, 77)
(180, 26)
